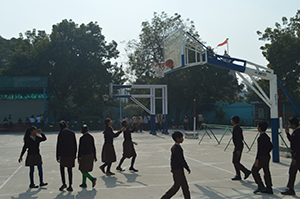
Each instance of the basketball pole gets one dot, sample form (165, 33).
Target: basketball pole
(194, 118)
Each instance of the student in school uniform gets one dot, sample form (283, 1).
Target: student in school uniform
(32, 145)
(66, 150)
(238, 138)
(178, 164)
(262, 160)
(294, 139)
(128, 147)
(108, 155)
(86, 156)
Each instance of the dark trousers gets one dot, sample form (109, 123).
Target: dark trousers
(294, 167)
(70, 174)
(179, 181)
(31, 171)
(236, 160)
(263, 163)
(185, 126)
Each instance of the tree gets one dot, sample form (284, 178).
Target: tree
(206, 83)
(282, 52)
(76, 59)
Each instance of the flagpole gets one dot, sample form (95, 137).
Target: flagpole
(228, 46)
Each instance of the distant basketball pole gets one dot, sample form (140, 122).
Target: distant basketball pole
(194, 118)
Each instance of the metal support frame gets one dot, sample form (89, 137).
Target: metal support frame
(239, 66)
(150, 96)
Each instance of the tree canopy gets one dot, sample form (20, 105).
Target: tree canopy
(282, 49)
(77, 61)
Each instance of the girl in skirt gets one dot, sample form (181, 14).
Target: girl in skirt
(86, 156)
(32, 145)
(128, 147)
(108, 150)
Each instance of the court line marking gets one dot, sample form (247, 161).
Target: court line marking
(211, 165)
(12, 175)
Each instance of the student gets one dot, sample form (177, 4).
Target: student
(185, 122)
(108, 150)
(86, 156)
(238, 138)
(66, 150)
(294, 139)
(128, 148)
(262, 161)
(32, 143)
(178, 164)
(5, 122)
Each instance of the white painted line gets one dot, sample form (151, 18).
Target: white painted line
(211, 165)
(12, 175)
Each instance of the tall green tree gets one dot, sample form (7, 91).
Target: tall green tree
(282, 49)
(76, 59)
(206, 83)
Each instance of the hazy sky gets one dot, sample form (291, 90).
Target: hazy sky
(121, 20)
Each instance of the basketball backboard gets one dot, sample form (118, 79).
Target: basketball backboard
(185, 51)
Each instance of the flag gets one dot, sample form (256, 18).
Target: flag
(223, 43)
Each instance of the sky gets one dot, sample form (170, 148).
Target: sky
(121, 20)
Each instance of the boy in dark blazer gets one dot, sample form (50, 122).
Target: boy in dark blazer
(238, 138)
(294, 139)
(178, 164)
(262, 160)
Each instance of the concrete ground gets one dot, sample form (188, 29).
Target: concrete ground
(210, 164)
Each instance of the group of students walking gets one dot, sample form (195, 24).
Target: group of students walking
(66, 152)
(67, 149)
(262, 159)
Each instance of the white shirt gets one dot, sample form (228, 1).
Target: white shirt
(38, 119)
(32, 120)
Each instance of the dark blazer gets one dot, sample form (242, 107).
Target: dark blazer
(86, 145)
(33, 146)
(237, 137)
(264, 146)
(294, 139)
(66, 144)
(127, 134)
(109, 135)
(177, 158)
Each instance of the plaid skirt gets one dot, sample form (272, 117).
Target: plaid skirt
(32, 160)
(128, 149)
(108, 153)
(67, 161)
(86, 163)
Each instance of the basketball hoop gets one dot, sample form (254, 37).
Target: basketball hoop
(105, 97)
(160, 67)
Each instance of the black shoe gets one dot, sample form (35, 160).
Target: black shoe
(83, 186)
(94, 182)
(247, 175)
(120, 169)
(70, 189)
(133, 169)
(33, 186)
(267, 190)
(102, 169)
(43, 184)
(259, 189)
(62, 187)
(110, 173)
(236, 178)
(290, 192)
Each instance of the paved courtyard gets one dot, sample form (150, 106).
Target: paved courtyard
(210, 164)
